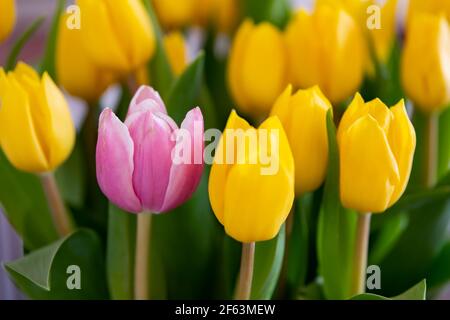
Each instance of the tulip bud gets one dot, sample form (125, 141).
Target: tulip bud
(174, 14)
(303, 116)
(376, 146)
(177, 52)
(36, 129)
(8, 18)
(326, 49)
(250, 202)
(118, 35)
(257, 68)
(76, 72)
(429, 6)
(426, 62)
(135, 165)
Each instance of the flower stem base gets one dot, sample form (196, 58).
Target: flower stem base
(244, 285)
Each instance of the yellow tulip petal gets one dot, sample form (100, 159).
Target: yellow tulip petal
(380, 112)
(281, 108)
(176, 50)
(368, 168)
(263, 68)
(402, 139)
(220, 167)
(235, 63)
(19, 140)
(8, 18)
(256, 205)
(174, 13)
(101, 40)
(309, 139)
(23, 70)
(355, 110)
(133, 29)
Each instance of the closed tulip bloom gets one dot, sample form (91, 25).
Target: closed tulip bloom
(174, 14)
(76, 72)
(251, 205)
(303, 116)
(118, 34)
(425, 62)
(429, 6)
(176, 49)
(257, 70)
(8, 18)
(36, 129)
(326, 48)
(135, 169)
(376, 146)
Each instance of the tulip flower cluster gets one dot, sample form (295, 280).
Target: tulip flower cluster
(329, 114)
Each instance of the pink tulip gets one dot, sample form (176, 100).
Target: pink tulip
(135, 167)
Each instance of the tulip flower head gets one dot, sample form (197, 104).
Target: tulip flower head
(36, 129)
(376, 146)
(135, 160)
(8, 18)
(426, 62)
(303, 116)
(429, 6)
(118, 35)
(326, 48)
(250, 203)
(257, 70)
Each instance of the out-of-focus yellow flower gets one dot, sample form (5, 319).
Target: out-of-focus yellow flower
(221, 14)
(176, 50)
(376, 146)
(75, 71)
(429, 6)
(303, 116)
(257, 70)
(8, 18)
(426, 62)
(326, 49)
(175, 13)
(118, 35)
(384, 37)
(251, 205)
(36, 129)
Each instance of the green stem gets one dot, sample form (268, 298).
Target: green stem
(142, 256)
(63, 223)
(244, 286)
(360, 257)
(431, 149)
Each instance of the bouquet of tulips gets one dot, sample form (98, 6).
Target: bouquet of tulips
(252, 151)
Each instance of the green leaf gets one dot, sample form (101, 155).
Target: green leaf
(71, 177)
(268, 262)
(387, 237)
(273, 11)
(336, 233)
(159, 67)
(49, 60)
(186, 89)
(43, 274)
(120, 255)
(25, 206)
(444, 142)
(418, 292)
(17, 47)
(439, 273)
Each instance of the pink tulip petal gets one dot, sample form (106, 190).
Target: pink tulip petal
(153, 142)
(146, 93)
(114, 158)
(185, 177)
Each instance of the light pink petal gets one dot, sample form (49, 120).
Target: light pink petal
(152, 157)
(146, 93)
(185, 177)
(114, 161)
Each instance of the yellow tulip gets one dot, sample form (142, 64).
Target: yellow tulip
(174, 14)
(36, 129)
(257, 70)
(426, 62)
(376, 146)
(326, 49)
(118, 35)
(251, 205)
(221, 14)
(303, 116)
(8, 18)
(75, 71)
(429, 6)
